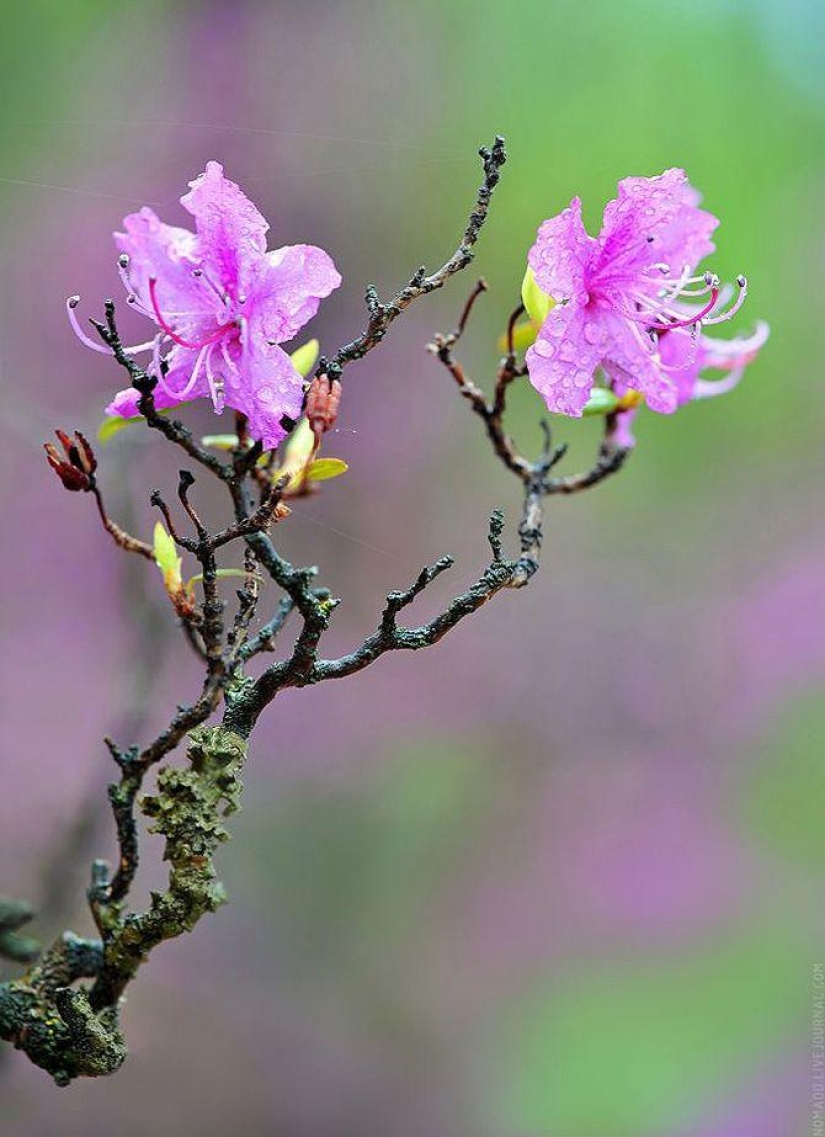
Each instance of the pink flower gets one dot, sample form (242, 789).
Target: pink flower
(629, 301)
(223, 305)
(687, 356)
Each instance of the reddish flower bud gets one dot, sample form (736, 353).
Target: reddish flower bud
(76, 465)
(323, 401)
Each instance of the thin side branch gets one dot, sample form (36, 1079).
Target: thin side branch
(381, 315)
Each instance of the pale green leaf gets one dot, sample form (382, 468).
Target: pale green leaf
(166, 554)
(601, 402)
(303, 360)
(113, 425)
(524, 336)
(220, 441)
(322, 469)
(299, 445)
(536, 302)
(221, 573)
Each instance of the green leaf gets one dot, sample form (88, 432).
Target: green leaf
(113, 425)
(536, 302)
(322, 469)
(166, 558)
(220, 441)
(299, 446)
(221, 574)
(601, 402)
(665, 1037)
(303, 360)
(524, 336)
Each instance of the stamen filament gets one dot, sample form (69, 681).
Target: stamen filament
(696, 317)
(215, 383)
(86, 340)
(742, 284)
(170, 331)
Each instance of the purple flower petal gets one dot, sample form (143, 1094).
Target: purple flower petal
(562, 360)
(562, 252)
(289, 290)
(265, 387)
(231, 231)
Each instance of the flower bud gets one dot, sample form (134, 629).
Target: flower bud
(323, 401)
(76, 465)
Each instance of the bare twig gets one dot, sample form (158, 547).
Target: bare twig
(420, 284)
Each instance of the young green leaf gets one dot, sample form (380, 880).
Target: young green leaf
(601, 402)
(322, 469)
(220, 441)
(113, 425)
(166, 558)
(536, 302)
(219, 573)
(303, 360)
(524, 336)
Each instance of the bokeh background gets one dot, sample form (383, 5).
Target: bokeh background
(563, 875)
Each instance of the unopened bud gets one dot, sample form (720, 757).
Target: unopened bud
(76, 465)
(323, 401)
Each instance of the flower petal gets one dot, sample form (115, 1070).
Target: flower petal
(175, 388)
(566, 353)
(655, 220)
(687, 239)
(634, 367)
(264, 385)
(623, 431)
(686, 361)
(168, 255)
(231, 231)
(562, 252)
(289, 290)
(735, 352)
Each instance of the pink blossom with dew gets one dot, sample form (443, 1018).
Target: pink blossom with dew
(687, 355)
(620, 296)
(223, 305)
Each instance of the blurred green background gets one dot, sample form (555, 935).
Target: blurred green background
(562, 876)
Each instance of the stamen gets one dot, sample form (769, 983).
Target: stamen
(200, 275)
(677, 287)
(221, 331)
(742, 285)
(648, 347)
(215, 382)
(696, 317)
(193, 378)
(86, 340)
(132, 297)
(156, 366)
(227, 358)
